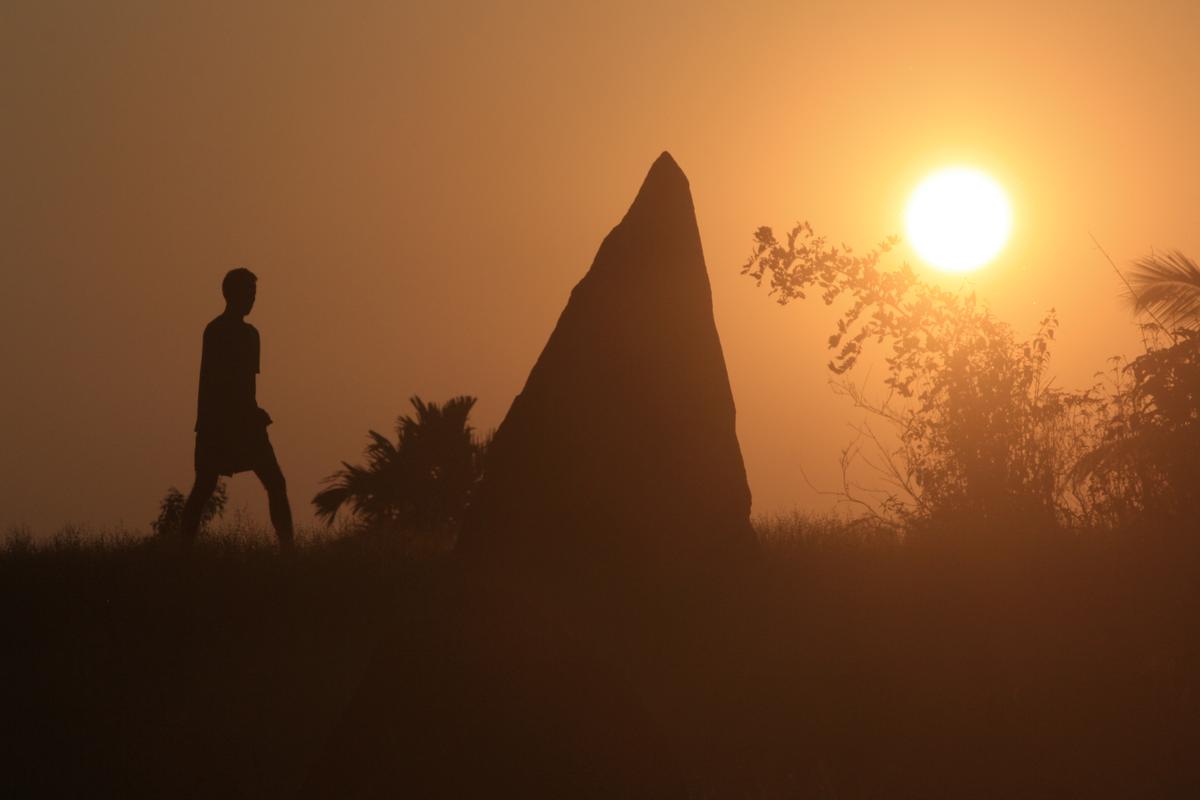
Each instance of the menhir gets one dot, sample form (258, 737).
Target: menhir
(620, 454)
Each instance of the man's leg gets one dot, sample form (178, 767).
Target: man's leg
(202, 489)
(281, 512)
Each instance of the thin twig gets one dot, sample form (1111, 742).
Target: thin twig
(1132, 292)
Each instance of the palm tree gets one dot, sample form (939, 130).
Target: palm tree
(1167, 287)
(421, 482)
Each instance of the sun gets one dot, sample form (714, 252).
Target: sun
(958, 219)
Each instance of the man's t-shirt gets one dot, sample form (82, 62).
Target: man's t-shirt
(228, 366)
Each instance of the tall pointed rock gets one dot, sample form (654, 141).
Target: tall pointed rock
(621, 450)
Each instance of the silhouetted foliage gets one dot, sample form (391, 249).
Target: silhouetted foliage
(1167, 287)
(976, 429)
(1146, 463)
(170, 510)
(423, 481)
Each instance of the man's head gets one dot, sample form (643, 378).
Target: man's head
(239, 287)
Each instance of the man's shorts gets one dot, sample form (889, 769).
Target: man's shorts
(226, 452)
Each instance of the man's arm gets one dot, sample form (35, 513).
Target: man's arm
(261, 414)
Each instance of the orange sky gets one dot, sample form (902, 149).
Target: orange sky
(419, 188)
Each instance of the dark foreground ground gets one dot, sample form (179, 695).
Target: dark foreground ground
(846, 665)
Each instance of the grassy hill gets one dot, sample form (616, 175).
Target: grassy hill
(1043, 665)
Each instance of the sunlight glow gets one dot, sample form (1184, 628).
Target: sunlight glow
(958, 219)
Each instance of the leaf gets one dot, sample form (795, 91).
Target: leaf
(1167, 286)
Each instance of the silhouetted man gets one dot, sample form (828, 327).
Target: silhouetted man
(231, 430)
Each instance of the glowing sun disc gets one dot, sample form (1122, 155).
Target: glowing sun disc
(958, 219)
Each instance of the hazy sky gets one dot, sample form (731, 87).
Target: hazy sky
(418, 187)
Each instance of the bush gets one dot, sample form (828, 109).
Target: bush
(170, 510)
(1145, 467)
(974, 430)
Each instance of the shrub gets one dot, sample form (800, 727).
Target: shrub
(170, 510)
(974, 429)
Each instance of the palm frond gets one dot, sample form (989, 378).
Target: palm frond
(1167, 286)
(339, 491)
(380, 451)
